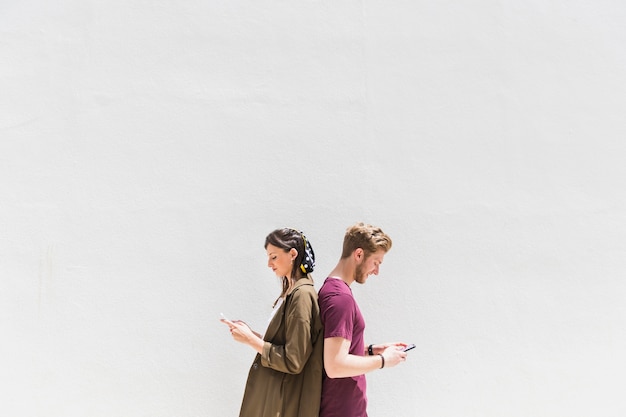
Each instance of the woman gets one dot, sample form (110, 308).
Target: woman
(285, 379)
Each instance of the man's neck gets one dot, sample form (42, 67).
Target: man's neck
(343, 272)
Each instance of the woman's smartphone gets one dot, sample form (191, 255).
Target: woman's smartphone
(409, 347)
(224, 320)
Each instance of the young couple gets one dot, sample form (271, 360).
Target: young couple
(312, 359)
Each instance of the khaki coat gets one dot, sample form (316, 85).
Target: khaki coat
(286, 379)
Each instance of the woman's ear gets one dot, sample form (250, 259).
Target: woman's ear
(294, 253)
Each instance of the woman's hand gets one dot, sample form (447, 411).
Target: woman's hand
(242, 333)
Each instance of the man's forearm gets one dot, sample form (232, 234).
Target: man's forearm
(352, 365)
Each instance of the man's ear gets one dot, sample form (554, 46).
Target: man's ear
(359, 254)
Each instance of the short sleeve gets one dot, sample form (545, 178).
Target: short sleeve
(337, 313)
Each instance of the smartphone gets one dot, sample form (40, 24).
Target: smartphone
(409, 347)
(224, 320)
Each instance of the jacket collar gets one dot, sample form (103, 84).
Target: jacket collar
(274, 325)
(299, 283)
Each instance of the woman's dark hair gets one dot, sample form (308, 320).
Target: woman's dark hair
(286, 239)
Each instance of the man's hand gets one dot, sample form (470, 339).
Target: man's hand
(394, 354)
(376, 349)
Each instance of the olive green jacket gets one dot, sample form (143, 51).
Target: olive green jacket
(286, 380)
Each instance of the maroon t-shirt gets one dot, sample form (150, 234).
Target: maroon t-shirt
(341, 317)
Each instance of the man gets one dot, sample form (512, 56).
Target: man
(346, 359)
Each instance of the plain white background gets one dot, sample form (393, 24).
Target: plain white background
(147, 148)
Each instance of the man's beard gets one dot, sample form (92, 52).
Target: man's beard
(359, 276)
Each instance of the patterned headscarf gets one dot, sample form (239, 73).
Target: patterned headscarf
(308, 261)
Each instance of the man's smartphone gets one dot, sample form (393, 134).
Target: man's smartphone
(409, 347)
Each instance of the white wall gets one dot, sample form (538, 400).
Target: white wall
(147, 148)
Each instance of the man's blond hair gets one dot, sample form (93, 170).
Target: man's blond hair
(367, 237)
